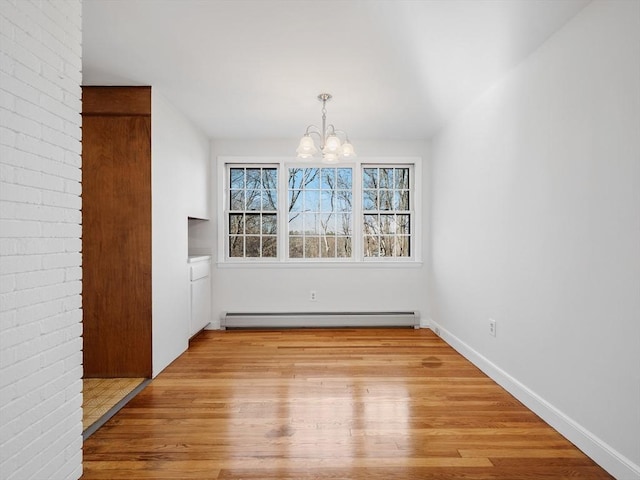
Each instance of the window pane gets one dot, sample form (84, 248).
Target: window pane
(253, 200)
(370, 178)
(312, 201)
(371, 246)
(345, 179)
(328, 247)
(270, 224)
(236, 246)
(402, 200)
(311, 178)
(253, 246)
(295, 247)
(343, 224)
(296, 176)
(269, 246)
(328, 224)
(326, 201)
(343, 245)
(328, 179)
(387, 224)
(295, 224)
(386, 245)
(370, 200)
(252, 223)
(311, 247)
(343, 201)
(386, 200)
(269, 200)
(295, 201)
(253, 178)
(371, 226)
(236, 200)
(402, 246)
(386, 178)
(270, 178)
(236, 223)
(402, 178)
(402, 224)
(311, 223)
(236, 177)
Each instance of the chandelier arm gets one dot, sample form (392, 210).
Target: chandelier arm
(312, 129)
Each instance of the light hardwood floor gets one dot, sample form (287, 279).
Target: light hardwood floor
(328, 404)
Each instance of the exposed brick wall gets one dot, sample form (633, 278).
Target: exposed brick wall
(40, 240)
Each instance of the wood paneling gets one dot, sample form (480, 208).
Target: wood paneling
(116, 101)
(328, 404)
(116, 241)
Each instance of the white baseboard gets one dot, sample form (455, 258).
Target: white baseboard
(603, 454)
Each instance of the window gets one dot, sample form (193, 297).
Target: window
(277, 211)
(320, 207)
(253, 212)
(387, 217)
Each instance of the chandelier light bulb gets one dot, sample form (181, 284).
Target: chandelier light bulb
(332, 144)
(347, 150)
(306, 148)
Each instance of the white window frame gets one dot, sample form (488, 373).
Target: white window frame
(283, 165)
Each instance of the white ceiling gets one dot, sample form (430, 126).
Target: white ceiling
(252, 68)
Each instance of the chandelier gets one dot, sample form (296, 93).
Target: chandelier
(331, 145)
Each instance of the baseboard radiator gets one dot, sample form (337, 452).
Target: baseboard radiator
(320, 319)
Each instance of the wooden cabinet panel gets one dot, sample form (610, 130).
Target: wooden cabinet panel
(116, 215)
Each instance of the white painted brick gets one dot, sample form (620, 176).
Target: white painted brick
(7, 283)
(8, 301)
(34, 145)
(19, 193)
(61, 230)
(39, 278)
(8, 394)
(61, 199)
(14, 228)
(17, 122)
(33, 246)
(73, 273)
(40, 239)
(13, 373)
(8, 319)
(20, 335)
(32, 110)
(19, 263)
(40, 311)
(8, 246)
(7, 137)
(7, 100)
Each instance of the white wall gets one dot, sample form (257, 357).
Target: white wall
(536, 223)
(40, 230)
(180, 189)
(286, 288)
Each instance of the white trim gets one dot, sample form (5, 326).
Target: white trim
(602, 453)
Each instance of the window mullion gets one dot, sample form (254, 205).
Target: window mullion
(283, 213)
(357, 215)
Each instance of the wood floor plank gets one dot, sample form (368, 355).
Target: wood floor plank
(328, 404)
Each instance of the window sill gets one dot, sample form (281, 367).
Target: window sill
(350, 264)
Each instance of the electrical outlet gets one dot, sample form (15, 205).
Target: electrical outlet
(313, 295)
(492, 327)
